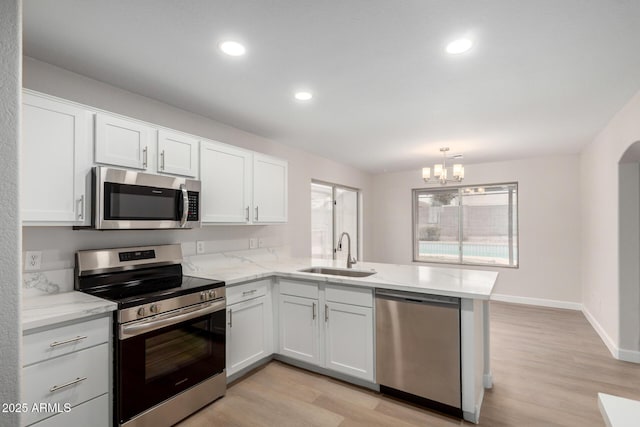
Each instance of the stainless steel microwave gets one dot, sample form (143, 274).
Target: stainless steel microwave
(126, 199)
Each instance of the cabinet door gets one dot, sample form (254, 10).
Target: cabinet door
(349, 339)
(74, 378)
(122, 142)
(225, 173)
(177, 154)
(55, 161)
(299, 328)
(94, 413)
(248, 333)
(269, 189)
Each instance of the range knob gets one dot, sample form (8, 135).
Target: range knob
(212, 294)
(153, 308)
(141, 311)
(202, 296)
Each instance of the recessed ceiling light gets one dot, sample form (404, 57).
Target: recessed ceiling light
(303, 96)
(232, 48)
(459, 46)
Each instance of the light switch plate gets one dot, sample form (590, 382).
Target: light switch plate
(32, 260)
(261, 243)
(199, 247)
(253, 243)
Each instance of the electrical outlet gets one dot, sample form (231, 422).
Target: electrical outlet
(199, 247)
(261, 243)
(253, 243)
(32, 260)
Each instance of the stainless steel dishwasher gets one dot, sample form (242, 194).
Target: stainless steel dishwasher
(418, 348)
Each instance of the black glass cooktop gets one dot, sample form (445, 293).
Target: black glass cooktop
(131, 288)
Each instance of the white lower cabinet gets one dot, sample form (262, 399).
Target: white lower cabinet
(94, 413)
(249, 325)
(314, 328)
(64, 369)
(299, 328)
(348, 339)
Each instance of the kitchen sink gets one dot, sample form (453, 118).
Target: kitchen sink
(337, 271)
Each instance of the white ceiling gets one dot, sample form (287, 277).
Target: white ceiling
(543, 77)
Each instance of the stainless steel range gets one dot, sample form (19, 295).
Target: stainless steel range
(169, 332)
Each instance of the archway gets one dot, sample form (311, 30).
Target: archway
(629, 249)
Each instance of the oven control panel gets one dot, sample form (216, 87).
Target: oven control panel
(158, 307)
(136, 255)
(209, 295)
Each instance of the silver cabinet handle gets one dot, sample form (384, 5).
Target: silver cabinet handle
(69, 384)
(252, 291)
(144, 157)
(326, 313)
(256, 213)
(313, 310)
(231, 318)
(162, 160)
(69, 341)
(247, 213)
(81, 211)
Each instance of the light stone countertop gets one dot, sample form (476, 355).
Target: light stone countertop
(47, 309)
(50, 309)
(235, 269)
(618, 411)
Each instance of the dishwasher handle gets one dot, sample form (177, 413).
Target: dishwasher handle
(418, 298)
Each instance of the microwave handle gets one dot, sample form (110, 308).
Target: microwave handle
(185, 205)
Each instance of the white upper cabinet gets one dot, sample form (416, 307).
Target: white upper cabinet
(122, 142)
(225, 172)
(269, 189)
(177, 154)
(56, 161)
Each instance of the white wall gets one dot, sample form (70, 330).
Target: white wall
(549, 218)
(60, 243)
(602, 290)
(10, 82)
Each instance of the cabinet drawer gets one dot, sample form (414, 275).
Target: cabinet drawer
(90, 368)
(299, 289)
(236, 294)
(349, 295)
(94, 413)
(66, 339)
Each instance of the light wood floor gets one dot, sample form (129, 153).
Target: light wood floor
(548, 365)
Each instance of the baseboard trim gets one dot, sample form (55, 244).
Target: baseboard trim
(629, 355)
(613, 349)
(474, 417)
(542, 302)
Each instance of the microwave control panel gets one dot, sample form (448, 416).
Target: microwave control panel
(194, 206)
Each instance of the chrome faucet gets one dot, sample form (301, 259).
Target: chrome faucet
(350, 260)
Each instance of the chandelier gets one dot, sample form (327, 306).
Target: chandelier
(440, 170)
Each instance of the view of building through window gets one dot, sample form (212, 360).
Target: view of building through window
(467, 225)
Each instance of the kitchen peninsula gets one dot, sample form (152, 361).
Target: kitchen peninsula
(273, 282)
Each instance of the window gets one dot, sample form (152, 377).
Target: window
(334, 209)
(466, 225)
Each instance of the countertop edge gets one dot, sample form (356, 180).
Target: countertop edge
(75, 307)
(359, 282)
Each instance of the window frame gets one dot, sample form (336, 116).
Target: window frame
(414, 215)
(359, 218)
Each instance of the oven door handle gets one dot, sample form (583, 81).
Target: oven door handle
(139, 328)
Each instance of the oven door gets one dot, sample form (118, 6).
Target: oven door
(159, 358)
